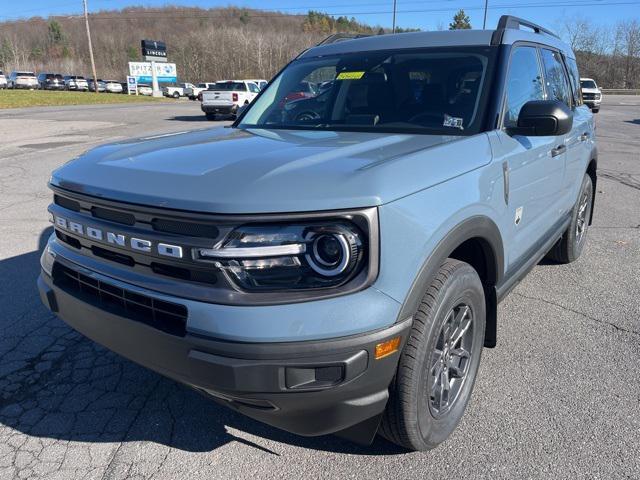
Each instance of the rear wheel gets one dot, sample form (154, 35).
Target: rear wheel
(176, 95)
(570, 246)
(438, 366)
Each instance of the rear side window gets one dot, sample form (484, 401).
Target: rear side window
(523, 83)
(230, 86)
(555, 76)
(254, 88)
(574, 77)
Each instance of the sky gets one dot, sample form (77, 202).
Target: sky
(423, 14)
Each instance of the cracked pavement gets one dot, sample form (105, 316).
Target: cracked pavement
(558, 398)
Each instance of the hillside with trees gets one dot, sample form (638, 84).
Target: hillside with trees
(206, 44)
(610, 55)
(216, 43)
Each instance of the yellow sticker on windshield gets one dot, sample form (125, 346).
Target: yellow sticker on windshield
(349, 75)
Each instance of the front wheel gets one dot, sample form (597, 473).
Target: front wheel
(570, 246)
(438, 366)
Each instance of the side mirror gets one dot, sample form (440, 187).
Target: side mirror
(542, 118)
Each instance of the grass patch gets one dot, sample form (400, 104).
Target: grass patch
(46, 98)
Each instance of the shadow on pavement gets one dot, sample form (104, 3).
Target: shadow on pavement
(55, 383)
(189, 118)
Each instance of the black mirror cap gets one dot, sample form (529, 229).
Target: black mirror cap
(542, 118)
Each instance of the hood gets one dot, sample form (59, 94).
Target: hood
(590, 90)
(229, 170)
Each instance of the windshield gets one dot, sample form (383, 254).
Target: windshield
(25, 74)
(436, 90)
(588, 84)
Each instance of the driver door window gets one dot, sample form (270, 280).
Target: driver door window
(524, 83)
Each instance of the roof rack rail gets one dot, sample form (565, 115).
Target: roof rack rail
(509, 21)
(341, 37)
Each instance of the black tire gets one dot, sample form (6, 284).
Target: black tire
(176, 95)
(210, 116)
(410, 419)
(595, 110)
(570, 246)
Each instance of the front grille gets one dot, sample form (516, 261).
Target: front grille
(66, 203)
(166, 316)
(190, 229)
(159, 224)
(588, 96)
(113, 215)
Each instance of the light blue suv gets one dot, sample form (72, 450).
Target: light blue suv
(332, 263)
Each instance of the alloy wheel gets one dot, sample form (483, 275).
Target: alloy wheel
(583, 209)
(451, 359)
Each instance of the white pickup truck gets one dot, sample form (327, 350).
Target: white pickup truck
(176, 91)
(194, 92)
(227, 96)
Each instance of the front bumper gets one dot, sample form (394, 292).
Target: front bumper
(308, 387)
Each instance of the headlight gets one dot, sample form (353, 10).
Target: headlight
(294, 256)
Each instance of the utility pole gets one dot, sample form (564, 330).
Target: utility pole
(484, 23)
(93, 62)
(393, 28)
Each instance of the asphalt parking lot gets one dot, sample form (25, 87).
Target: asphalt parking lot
(558, 398)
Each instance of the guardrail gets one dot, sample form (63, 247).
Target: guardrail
(621, 91)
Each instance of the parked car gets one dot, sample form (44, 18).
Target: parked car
(225, 97)
(591, 94)
(145, 89)
(336, 267)
(102, 86)
(193, 92)
(50, 81)
(3, 80)
(76, 83)
(113, 86)
(176, 91)
(25, 80)
(260, 82)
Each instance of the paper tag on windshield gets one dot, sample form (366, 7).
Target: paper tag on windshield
(453, 122)
(350, 75)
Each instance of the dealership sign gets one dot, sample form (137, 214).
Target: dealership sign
(166, 72)
(153, 50)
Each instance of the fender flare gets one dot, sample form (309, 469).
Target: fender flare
(481, 227)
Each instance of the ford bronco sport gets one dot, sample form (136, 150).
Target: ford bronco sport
(333, 263)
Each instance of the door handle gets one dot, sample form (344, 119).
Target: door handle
(584, 137)
(558, 150)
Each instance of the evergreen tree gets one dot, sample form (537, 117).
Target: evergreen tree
(461, 21)
(56, 36)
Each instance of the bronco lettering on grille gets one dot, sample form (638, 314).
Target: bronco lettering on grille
(118, 239)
